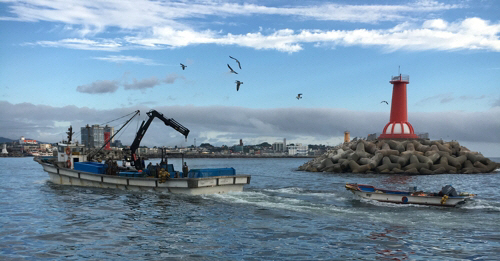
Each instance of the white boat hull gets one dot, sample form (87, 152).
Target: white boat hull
(409, 199)
(191, 186)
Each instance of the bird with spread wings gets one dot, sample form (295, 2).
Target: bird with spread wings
(239, 65)
(232, 71)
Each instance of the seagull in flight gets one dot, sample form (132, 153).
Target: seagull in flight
(239, 65)
(299, 96)
(385, 102)
(231, 69)
(183, 66)
(238, 83)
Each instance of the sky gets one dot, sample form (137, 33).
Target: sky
(65, 62)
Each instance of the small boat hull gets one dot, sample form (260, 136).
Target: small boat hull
(406, 197)
(191, 186)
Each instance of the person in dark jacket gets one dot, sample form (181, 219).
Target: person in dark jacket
(185, 170)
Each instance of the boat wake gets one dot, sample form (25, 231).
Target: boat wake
(480, 204)
(264, 200)
(303, 192)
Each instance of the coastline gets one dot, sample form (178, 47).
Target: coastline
(218, 156)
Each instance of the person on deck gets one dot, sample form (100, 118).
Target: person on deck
(185, 170)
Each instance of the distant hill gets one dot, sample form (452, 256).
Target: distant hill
(2, 140)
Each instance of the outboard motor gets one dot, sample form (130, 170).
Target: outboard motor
(449, 190)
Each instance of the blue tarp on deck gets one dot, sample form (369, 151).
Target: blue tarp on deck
(92, 167)
(203, 173)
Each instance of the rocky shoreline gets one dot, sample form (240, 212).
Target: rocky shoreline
(423, 157)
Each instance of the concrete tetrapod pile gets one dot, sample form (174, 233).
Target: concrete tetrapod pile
(410, 157)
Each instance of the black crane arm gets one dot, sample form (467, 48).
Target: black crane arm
(144, 127)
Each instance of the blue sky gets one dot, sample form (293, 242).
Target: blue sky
(77, 62)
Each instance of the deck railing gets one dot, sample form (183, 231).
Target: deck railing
(401, 77)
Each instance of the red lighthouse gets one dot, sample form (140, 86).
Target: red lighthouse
(398, 126)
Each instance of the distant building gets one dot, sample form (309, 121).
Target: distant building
(94, 136)
(117, 143)
(297, 149)
(23, 141)
(28, 145)
(278, 147)
(237, 148)
(424, 136)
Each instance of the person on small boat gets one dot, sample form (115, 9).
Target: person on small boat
(150, 166)
(185, 170)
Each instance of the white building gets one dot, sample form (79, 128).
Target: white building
(297, 149)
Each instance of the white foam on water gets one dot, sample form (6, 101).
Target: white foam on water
(482, 205)
(275, 202)
(300, 191)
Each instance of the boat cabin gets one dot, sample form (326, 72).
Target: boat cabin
(71, 153)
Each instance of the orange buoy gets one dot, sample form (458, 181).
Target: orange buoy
(68, 150)
(68, 164)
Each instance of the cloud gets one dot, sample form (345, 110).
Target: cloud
(94, 17)
(142, 84)
(98, 87)
(469, 34)
(166, 24)
(105, 86)
(226, 125)
(123, 59)
(442, 98)
(83, 44)
(171, 78)
(470, 97)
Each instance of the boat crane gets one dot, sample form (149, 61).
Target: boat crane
(136, 160)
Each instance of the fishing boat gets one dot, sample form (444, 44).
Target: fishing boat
(77, 165)
(447, 197)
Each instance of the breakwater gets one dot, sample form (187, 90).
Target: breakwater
(410, 156)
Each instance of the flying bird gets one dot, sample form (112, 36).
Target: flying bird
(385, 102)
(238, 83)
(299, 96)
(239, 65)
(183, 66)
(231, 69)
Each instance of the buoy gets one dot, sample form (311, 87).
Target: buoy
(68, 150)
(444, 199)
(68, 164)
(404, 199)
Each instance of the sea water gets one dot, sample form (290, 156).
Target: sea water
(283, 214)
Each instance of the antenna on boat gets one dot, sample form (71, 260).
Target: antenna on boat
(70, 133)
(399, 67)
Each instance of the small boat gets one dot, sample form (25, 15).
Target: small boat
(447, 197)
